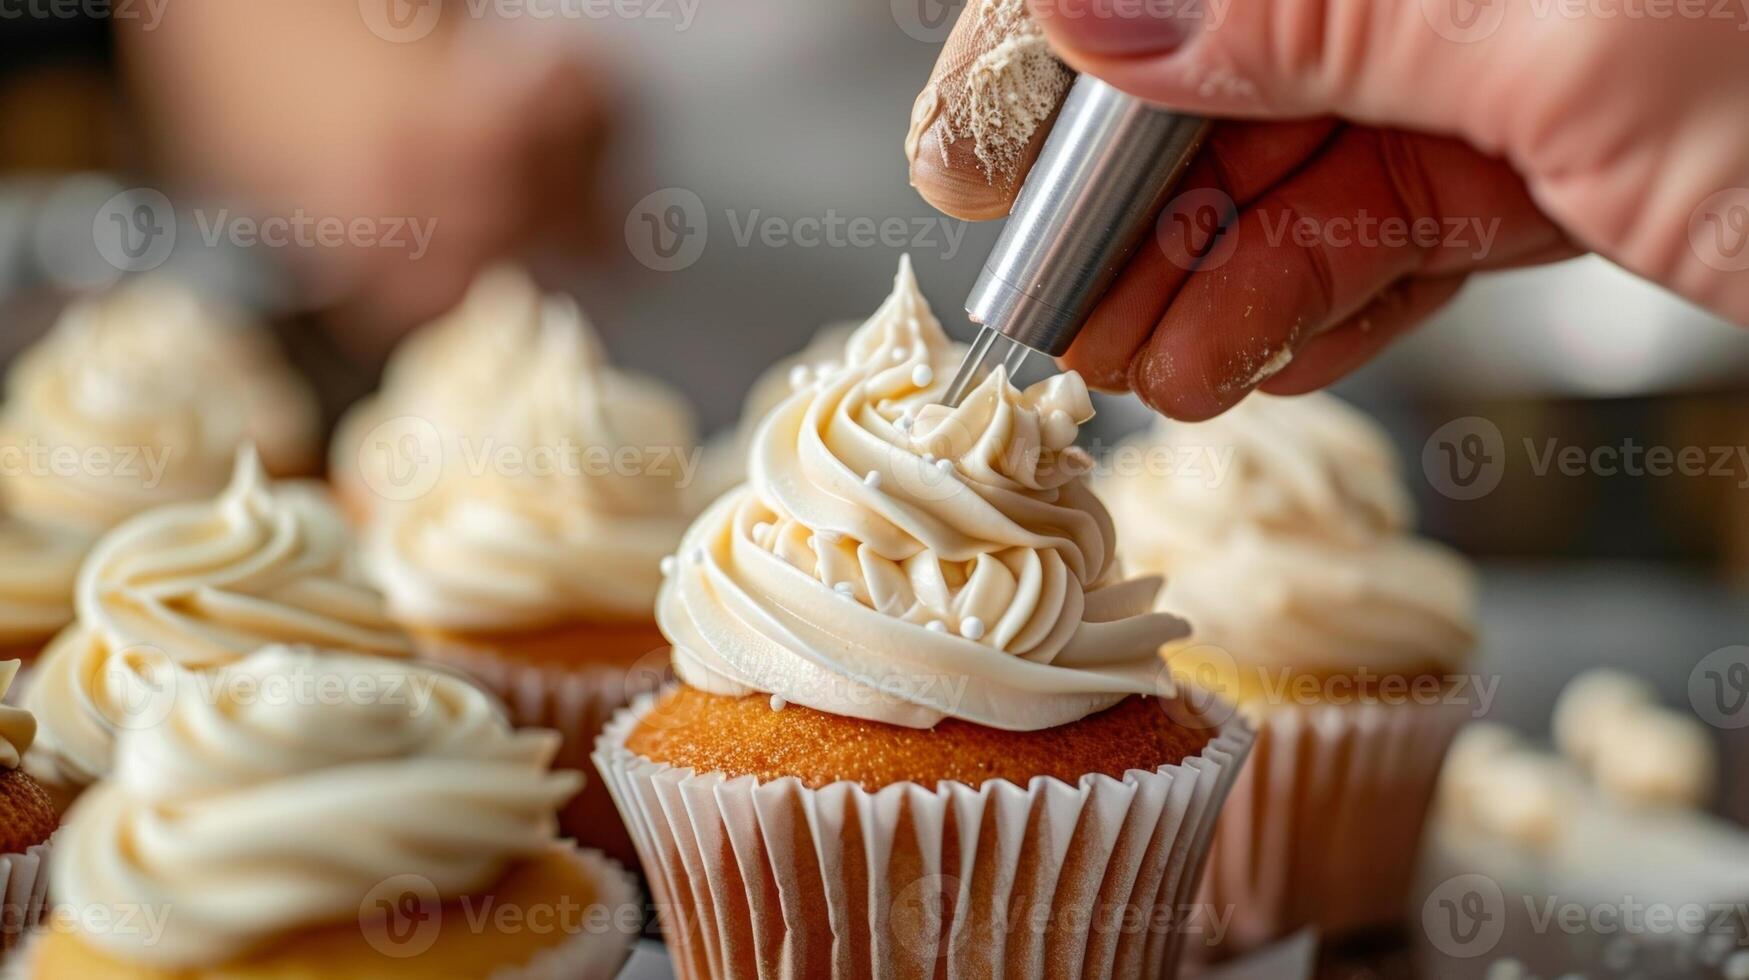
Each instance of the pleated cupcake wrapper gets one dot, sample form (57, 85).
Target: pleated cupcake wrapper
(588, 955)
(24, 881)
(575, 700)
(1323, 825)
(591, 955)
(1043, 880)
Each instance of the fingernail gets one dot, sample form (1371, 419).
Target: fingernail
(1119, 27)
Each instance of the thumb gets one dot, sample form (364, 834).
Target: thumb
(1400, 63)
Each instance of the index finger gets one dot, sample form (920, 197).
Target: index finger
(978, 125)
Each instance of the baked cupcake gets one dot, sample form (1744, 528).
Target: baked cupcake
(921, 726)
(400, 830)
(38, 563)
(534, 567)
(187, 588)
(27, 822)
(140, 398)
(1283, 530)
(443, 383)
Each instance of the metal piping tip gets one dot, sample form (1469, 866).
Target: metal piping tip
(992, 348)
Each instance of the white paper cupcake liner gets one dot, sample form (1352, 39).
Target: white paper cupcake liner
(24, 883)
(576, 701)
(1043, 880)
(1323, 826)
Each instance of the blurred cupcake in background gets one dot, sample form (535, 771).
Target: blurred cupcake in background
(38, 563)
(444, 382)
(187, 588)
(724, 465)
(533, 560)
(27, 824)
(1284, 533)
(922, 728)
(141, 397)
(404, 830)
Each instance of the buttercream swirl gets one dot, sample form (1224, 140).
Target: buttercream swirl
(561, 509)
(1284, 531)
(140, 398)
(195, 586)
(897, 560)
(38, 563)
(261, 806)
(17, 726)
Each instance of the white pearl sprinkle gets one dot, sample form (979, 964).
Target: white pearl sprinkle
(904, 422)
(929, 457)
(872, 478)
(935, 626)
(778, 703)
(922, 374)
(899, 354)
(944, 465)
(972, 628)
(667, 565)
(697, 556)
(845, 589)
(799, 376)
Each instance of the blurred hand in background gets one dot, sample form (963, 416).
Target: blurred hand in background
(1524, 134)
(488, 139)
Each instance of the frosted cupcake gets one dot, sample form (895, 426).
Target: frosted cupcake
(443, 383)
(1283, 530)
(38, 563)
(188, 588)
(533, 561)
(141, 398)
(401, 830)
(921, 724)
(27, 823)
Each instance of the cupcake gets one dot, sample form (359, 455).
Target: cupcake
(533, 561)
(141, 398)
(187, 588)
(921, 727)
(1283, 530)
(27, 822)
(38, 563)
(397, 827)
(444, 382)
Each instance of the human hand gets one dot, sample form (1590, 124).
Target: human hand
(1508, 133)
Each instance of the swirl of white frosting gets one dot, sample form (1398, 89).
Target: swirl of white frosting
(896, 560)
(282, 789)
(195, 586)
(561, 509)
(1283, 529)
(38, 563)
(141, 398)
(17, 726)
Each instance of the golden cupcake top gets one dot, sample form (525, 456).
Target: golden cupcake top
(264, 803)
(140, 397)
(557, 510)
(195, 586)
(900, 561)
(1285, 534)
